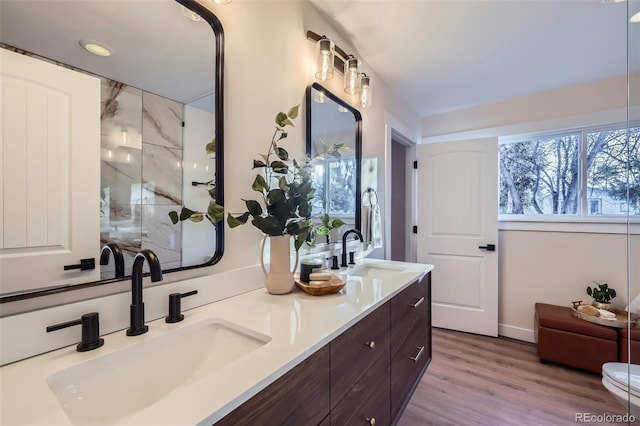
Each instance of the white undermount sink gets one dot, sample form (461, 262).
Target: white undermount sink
(376, 271)
(104, 389)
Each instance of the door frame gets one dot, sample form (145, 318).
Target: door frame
(395, 130)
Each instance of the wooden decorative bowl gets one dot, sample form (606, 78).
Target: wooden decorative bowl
(333, 285)
(619, 322)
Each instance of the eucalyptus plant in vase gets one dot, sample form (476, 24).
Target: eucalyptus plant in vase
(283, 210)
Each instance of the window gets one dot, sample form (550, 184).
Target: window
(334, 181)
(579, 173)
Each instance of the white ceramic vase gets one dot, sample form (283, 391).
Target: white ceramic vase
(279, 279)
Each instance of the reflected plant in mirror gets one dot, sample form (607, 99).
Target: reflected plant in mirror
(214, 213)
(332, 122)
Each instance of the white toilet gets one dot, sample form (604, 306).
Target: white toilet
(623, 381)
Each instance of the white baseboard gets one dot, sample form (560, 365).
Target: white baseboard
(517, 333)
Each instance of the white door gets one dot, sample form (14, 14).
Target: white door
(50, 179)
(458, 214)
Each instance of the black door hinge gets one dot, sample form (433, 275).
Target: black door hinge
(415, 229)
(415, 164)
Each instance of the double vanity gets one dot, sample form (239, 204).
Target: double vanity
(337, 359)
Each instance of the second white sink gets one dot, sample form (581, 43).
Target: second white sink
(115, 385)
(375, 271)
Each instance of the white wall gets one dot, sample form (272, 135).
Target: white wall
(556, 268)
(539, 266)
(267, 67)
(269, 63)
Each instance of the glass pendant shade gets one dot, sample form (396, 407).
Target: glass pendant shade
(351, 76)
(324, 59)
(319, 97)
(365, 91)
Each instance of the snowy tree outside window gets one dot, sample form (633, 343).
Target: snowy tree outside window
(543, 175)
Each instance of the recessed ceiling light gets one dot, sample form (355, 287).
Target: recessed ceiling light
(222, 1)
(635, 18)
(95, 47)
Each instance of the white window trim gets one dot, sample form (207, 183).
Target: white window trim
(588, 225)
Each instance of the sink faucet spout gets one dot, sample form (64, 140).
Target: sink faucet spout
(118, 258)
(344, 244)
(137, 325)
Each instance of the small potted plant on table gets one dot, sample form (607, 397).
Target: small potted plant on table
(602, 295)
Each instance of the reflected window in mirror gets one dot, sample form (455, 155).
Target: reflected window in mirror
(160, 109)
(331, 121)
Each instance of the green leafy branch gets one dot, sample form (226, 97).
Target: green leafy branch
(286, 194)
(214, 213)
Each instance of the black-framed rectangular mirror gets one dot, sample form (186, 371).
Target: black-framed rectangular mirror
(329, 121)
(160, 107)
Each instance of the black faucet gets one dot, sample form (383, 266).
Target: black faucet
(137, 325)
(114, 249)
(344, 244)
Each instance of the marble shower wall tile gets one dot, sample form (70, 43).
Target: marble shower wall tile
(161, 175)
(134, 205)
(161, 121)
(160, 235)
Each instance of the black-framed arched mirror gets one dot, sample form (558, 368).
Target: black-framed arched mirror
(160, 108)
(331, 121)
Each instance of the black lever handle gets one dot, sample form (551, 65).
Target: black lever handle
(488, 247)
(83, 265)
(334, 262)
(175, 314)
(90, 331)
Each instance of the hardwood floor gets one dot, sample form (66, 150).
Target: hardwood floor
(478, 380)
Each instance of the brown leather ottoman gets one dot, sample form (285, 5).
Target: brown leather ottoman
(568, 340)
(635, 345)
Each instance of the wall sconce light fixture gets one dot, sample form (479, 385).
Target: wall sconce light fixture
(324, 59)
(365, 91)
(351, 75)
(330, 57)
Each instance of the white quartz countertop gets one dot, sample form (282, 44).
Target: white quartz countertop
(298, 325)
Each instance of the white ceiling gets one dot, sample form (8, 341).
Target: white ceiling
(157, 48)
(442, 55)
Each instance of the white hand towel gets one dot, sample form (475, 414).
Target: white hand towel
(366, 225)
(376, 227)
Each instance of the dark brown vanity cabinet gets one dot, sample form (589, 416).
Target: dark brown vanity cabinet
(364, 376)
(410, 342)
(360, 371)
(300, 397)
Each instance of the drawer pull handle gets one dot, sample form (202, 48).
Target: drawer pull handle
(418, 303)
(417, 357)
(371, 344)
(371, 421)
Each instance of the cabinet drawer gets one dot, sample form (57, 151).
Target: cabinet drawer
(355, 351)
(368, 401)
(412, 303)
(299, 397)
(409, 363)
